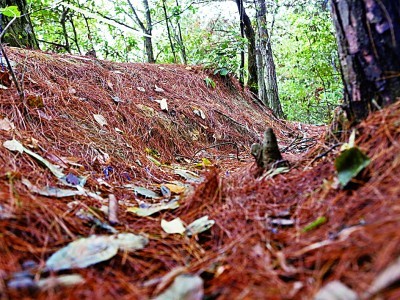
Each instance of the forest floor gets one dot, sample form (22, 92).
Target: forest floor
(98, 149)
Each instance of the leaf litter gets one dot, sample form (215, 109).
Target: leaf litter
(361, 228)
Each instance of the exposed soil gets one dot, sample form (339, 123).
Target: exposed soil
(244, 255)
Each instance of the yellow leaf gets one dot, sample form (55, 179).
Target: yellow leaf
(174, 188)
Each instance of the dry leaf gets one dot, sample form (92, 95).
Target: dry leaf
(94, 249)
(100, 119)
(174, 226)
(163, 104)
(14, 145)
(184, 287)
(174, 188)
(6, 124)
(200, 113)
(158, 89)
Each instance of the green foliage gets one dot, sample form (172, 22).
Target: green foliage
(10, 11)
(307, 65)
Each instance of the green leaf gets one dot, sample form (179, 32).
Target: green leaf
(10, 11)
(223, 71)
(349, 163)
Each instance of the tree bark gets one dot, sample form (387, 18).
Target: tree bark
(368, 36)
(267, 82)
(21, 33)
(146, 28)
(247, 28)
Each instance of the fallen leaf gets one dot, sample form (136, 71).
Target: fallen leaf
(53, 282)
(94, 249)
(199, 225)
(130, 241)
(184, 287)
(188, 175)
(117, 99)
(158, 89)
(200, 113)
(6, 124)
(149, 209)
(14, 145)
(349, 163)
(335, 290)
(145, 192)
(174, 226)
(163, 104)
(34, 101)
(100, 119)
(174, 188)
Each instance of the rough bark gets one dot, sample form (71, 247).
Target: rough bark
(368, 36)
(146, 28)
(20, 33)
(247, 28)
(267, 82)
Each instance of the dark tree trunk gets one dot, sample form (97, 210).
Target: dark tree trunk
(267, 82)
(368, 36)
(146, 28)
(148, 43)
(247, 28)
(20, 33)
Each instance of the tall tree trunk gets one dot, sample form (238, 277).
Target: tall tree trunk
(180, 39)
(146, 28)
(21, 33)
(169, 30)
(267, 82)
(247, 28)
(368, 36)
(148, 44)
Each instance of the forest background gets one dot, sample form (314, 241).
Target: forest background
(300, 36)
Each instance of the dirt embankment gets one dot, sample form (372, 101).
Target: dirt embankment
(108, 122)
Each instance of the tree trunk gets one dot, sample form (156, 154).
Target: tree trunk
(21, 33)
(171, 44)
(267, 83)
(368, 36)
(146, 28)
(247, 28)
(148, 44)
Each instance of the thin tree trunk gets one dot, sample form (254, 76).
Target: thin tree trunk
(268, 86)
(63, 20)
(368, 36)
(180, 39)
(147, 29)
(169, 31)
(247, 29)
